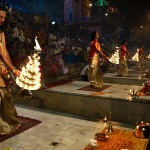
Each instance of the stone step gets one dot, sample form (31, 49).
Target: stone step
(126, 81)
(62, 77)
(28, 101)
(79, 64)
(138, 72)
(131, 79)
(74, 69)
(67, 98)
(134, 77)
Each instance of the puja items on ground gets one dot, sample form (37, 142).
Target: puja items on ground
(117, 140)
(133, 96)
(93, 143)
(101, 136)
(145, 90)
(142, 130)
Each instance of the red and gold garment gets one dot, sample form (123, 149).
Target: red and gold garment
(8, 115)
(94, 72)
(94, 49)
(123, 52)
(140, 53)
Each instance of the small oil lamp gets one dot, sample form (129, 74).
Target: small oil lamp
(105, 121)
(133, 95)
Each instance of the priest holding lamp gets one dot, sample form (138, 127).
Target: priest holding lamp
(123, 66)
(8, 115)
(140, 56)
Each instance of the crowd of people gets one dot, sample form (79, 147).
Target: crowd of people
(60, 44)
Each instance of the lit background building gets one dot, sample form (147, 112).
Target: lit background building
(76, 10)
(54, 9)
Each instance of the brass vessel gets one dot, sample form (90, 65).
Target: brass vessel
(142, 130)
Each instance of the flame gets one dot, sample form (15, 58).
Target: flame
(115, 57)
(30, 76)
(148, 56)
(135, 56)
(37, 47)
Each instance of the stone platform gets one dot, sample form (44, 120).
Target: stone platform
(133, 78)
(67, 98)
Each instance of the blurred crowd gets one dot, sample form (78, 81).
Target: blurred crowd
(60, 43)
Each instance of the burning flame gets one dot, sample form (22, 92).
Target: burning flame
(30, 76)
(115, 57)
(37, 47)
(135, 56)
(148, 56)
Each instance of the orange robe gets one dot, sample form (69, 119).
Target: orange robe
(8, 115)
(123, 67)
(123, 52)
(140, 56)
(140, 53)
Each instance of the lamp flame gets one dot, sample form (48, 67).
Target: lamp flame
(37, 47)
(148, 56)
(135, 56)
(30, 76)
(115, 57)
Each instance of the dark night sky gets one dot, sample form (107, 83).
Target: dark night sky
(136, 12)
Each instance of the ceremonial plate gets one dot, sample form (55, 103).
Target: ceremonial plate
(101, 136)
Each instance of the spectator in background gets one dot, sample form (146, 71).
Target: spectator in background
(18, 34)
(51, 67)
(60, 64)
(84, 73)
(41, 35)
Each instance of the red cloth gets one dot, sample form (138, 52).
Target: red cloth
(54, 70)
(94, 48)
(123, 51)
(140, 53)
